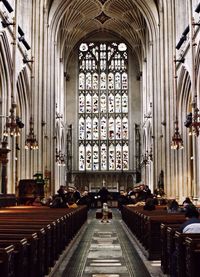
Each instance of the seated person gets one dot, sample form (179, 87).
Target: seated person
(186, 202)
(172, 206)
(149, 204)
(192, 224)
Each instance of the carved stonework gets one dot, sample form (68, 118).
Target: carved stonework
(102, 1)
(102, 17)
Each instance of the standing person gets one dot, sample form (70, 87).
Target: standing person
(103, 193)
(76, 195)
(62, 193)
(105, 211)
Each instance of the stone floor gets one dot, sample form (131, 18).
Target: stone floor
(105, 250)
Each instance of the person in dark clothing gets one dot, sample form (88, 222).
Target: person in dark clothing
(186, 202)
(192, 223)
(149, 204)
(103, 193)
(76, 195)
(85, 200)
(62, 193)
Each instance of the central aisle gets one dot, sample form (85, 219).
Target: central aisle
(102, 250)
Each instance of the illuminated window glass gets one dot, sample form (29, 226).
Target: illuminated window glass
(95, 157)
(103, 131)
(81, 157)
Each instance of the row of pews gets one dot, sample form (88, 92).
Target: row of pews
(7, 200)
(32, 238)
(157, 231)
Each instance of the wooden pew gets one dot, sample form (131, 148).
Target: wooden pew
(32, 241)
(20, 255)
(192, 256)
(148, 227)
(7, 261)
(165, 257)
(183, 261)
(53, 229)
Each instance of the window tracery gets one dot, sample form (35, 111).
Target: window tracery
(103, 107)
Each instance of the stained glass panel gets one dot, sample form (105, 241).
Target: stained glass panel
(88, 157)
(81, 128)
(81, 81)
(95, 81)
(125, 157)
(124, 103)
(103, 103)
(81, 157)
(88, 103)
(118, 103)
(96, 157)
(125, 128)
(111, 157)
(117, 80)
(111, 81)
(88, 128)
(111, 129)
(95, 128)
(103, 81)
(88, 81)
(103, 157)
(111, 103)
(81, 103)
(103, 128)
(118, 157)
(118, 128)
(95, 103)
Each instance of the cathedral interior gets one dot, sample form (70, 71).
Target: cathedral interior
(99, 93)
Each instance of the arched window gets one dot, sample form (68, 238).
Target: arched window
(103, 107)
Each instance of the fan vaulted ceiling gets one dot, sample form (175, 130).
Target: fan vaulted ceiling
(81, 18)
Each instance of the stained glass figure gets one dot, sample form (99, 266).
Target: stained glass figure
(103, 157)
(95, 81)
(95, 103)
(95, 157)
(111, 157)
(81, 81)
(95, 128)
(111, 128)
(103, 128)
(81, 103)
(118, 157)
(81, 157)
(88, 157)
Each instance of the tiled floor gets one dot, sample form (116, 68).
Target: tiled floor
(104, 250)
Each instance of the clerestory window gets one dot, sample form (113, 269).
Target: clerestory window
(103, 134)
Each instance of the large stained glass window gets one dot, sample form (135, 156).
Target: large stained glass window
(103, 132)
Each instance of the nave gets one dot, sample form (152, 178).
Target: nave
(105, 250)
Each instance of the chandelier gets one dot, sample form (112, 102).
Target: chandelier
(31, 141)
(145, 159)
(13, 124)
(195, 124)
(177, 142)
(60, 158)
